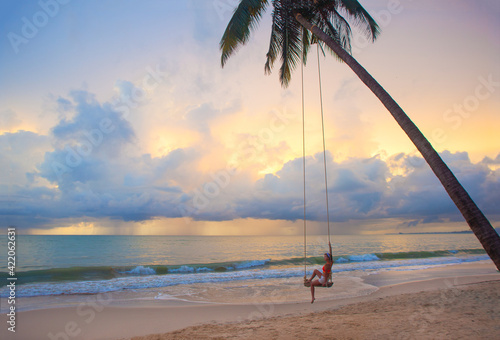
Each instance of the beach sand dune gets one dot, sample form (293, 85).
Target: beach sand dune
(465, 311)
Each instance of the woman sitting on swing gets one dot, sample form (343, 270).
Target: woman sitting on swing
(322, 276)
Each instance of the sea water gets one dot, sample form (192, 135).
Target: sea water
(73, 265)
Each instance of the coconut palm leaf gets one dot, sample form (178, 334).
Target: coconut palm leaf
(362, 18)
(245, 19)
(291, 45)
(343, 28)
(289, 40)
(274, 44)
(307, 40)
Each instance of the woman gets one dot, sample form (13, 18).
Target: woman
(322, 276)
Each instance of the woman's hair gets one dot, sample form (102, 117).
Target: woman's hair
(329, 256)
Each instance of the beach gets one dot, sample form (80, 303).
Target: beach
(467, 311)
(450, 301)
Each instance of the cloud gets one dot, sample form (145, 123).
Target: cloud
(94, 165)
(200, 117)
(118, 182)
(90, 121)
(363, 189)
(94, 135)
(488, 160)
(19, 153)
(91, 166)
(9, 120)
(355, 188)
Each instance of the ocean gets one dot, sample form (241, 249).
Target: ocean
(74, 265)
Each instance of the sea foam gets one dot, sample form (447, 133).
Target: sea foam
(140, 270)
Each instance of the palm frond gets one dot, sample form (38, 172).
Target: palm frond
(274, 44)
(344, 30)
(322, 19)
(306, 43)
(289, 39)
(362, 18)
(244, 20)
(291, 50)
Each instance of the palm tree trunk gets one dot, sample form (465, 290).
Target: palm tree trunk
(472, 214)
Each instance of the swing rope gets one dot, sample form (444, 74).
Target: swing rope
(304, 158)
(324, 146)
(304, 165)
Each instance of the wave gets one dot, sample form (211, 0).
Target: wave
(358, 258)
(341, 259)
(109, 272)
(156, 281)
(91, 280)
(140, 270)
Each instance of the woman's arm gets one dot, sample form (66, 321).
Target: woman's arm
(330, 245)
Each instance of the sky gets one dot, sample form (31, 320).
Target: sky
(116, 117)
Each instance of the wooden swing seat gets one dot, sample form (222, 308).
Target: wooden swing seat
(328, 284)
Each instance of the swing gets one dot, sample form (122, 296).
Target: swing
(329, 279)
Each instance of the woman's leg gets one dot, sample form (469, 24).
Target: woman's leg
(315, 273)
(313, 284)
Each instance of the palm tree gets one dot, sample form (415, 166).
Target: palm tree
(293, 21)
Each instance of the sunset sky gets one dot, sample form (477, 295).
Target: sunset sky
(117, 118)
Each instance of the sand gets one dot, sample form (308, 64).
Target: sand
(464, 312)
(456, 301)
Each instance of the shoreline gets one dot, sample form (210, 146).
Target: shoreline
(104, 316)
